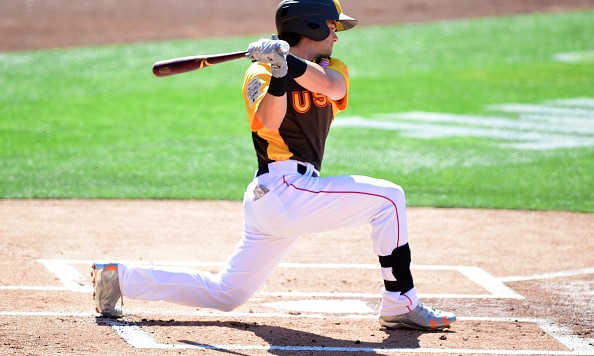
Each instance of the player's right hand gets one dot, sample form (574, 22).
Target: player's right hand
(272, 51)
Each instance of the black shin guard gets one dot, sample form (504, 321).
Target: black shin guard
(399, 261)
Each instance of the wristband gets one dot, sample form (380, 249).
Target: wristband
(297, 66)
(277, 86)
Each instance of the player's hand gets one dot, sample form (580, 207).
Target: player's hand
(273, 51)
(279, 60)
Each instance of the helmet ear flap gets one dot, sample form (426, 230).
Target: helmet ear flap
(313, 26)
(317, 31)
(291, 38)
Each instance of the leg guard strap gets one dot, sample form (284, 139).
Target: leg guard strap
(399, 261)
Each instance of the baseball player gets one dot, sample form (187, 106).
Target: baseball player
(292, 92)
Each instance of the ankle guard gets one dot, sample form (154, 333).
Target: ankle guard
(399, 261)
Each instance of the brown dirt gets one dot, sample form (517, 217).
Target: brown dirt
(35, 24)
(503, 243)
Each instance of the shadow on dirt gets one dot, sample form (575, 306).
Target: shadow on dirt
(281, 340)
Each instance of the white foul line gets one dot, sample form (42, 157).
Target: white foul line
(550, 275)
(487, 281)
(68, 275)
(74, 281)
(138, 338)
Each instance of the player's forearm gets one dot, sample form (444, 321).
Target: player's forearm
(324, 81)
(272, 111)
(317, 79)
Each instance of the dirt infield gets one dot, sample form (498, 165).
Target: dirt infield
(516, 280)
(65, 23)
(519, 281)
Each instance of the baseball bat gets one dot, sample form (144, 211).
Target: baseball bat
(187, 64)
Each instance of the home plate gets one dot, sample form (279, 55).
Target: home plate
(324, 306)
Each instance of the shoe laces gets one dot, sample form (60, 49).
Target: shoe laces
(429, 311)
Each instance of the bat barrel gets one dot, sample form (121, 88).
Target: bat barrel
(186, 64)
(175, 66)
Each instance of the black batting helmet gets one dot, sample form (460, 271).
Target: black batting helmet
(308, 18)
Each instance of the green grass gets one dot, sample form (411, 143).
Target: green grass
(95, 123)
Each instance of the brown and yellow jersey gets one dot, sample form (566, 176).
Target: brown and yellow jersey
(303, 132)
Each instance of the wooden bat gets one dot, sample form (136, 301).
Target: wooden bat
(187, 64)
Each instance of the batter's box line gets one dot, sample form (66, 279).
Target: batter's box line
(136, 337)
(550, 275)
(74, 281)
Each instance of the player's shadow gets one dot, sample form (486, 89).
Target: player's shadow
(287, 341)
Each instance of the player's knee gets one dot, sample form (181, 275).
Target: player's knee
(395, 193)
(230, 305)
(382, 187)
(231, 301)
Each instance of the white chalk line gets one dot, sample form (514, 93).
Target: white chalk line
(211, 313)
(550, 275)
(46, 314)
(89, 289)
(47, 288)
(563, 335)
(138, 338)
(72, 279)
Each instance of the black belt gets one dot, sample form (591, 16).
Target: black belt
(301, 169)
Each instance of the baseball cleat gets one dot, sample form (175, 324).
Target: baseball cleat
(420, 318)
(106, 289)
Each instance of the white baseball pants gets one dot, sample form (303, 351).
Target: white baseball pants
(294, 205)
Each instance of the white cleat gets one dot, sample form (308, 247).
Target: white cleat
(420, 318)
(106, 289)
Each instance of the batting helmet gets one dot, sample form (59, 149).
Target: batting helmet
(308, 18)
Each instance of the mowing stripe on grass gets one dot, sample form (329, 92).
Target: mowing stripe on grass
(538, 127)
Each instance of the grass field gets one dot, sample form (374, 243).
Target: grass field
(95, 123)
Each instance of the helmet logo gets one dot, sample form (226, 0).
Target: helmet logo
(338, 7)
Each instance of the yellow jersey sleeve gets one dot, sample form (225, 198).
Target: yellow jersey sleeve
(339, 66)
(255, 85)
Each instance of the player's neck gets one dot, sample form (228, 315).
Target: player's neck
(304, 52)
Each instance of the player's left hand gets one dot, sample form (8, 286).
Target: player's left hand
(279, 60)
